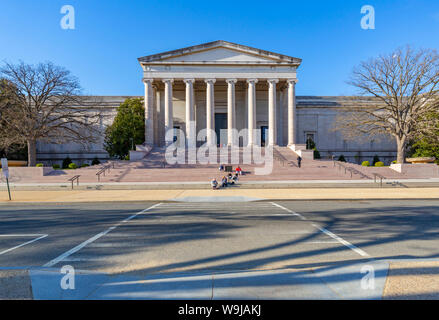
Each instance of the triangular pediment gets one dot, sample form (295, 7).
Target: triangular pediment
(220, 52)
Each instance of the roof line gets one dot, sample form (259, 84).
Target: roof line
(217, 43)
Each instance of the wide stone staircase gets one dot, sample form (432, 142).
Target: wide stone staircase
(282, 166)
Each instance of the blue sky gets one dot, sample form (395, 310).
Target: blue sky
(110, 35)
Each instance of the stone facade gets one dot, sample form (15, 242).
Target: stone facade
(315, 116)
(222, 85)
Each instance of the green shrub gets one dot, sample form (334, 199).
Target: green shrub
(127, 157)
(66, 162)
(95, 161)
(375, 159)
(39, 165)
(341, 158)
(73, 166)
(84, 165)
(56, 166)
(310, 144)
(379, 164)
(394, 161)
(365, 163)
(316, 154)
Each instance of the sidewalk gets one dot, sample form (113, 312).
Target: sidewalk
(219, 195)
(341, 282)
(392, 280)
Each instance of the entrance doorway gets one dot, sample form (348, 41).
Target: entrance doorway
(220, 123)
(264, 135)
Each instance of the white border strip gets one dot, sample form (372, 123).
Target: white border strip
(94, 238)
(327, 232)
(39, 236)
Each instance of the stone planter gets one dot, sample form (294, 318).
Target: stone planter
(421, 160)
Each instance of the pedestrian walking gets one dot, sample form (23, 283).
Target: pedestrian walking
(299, 161)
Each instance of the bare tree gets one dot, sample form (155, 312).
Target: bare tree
(405, 85)
(44, 103)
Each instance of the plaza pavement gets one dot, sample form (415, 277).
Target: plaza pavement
(219, 195)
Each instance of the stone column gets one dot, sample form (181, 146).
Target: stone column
(251, 110)
(272, 132)
(169, 114)
(156, 106)
(231, 122)
(190, 120)
(291, 111)
(149, 100)
(210, 111)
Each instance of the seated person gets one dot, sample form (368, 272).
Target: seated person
(235, 177)
(221, 168)
(238, 170)
(214, 183)
(224, 182)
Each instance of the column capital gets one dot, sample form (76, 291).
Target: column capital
(189, 80)
(272, 80)
(210, 80)
(232, 81)
(168, 80)
(291, 81)
(252, 80)
(147, 80)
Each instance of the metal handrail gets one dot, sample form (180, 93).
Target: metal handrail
(72, 179)
(279, 157)
(377, 175)
(102, 171)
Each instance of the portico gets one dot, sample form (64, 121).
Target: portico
(185, 88)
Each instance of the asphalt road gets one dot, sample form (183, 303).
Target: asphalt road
(120, 238)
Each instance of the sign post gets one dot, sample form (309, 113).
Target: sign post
(5, 171)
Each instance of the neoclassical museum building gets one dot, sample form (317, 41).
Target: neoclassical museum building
(223, 86)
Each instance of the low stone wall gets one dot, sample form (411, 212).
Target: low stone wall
(29, 172)
(141, 152)
(300, 149)
(421, 169)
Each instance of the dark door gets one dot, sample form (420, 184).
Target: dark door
(264, 135)
(220, 123)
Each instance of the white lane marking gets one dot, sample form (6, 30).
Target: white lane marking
(38, 237)
(341, 240)
(288, 210)
(329, 233)
(327, 242)
(94, 238)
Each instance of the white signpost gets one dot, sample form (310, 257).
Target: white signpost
(5, 171)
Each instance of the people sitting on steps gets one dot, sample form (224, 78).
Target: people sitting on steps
(230, 179)
(214, 184)
(224, 182)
